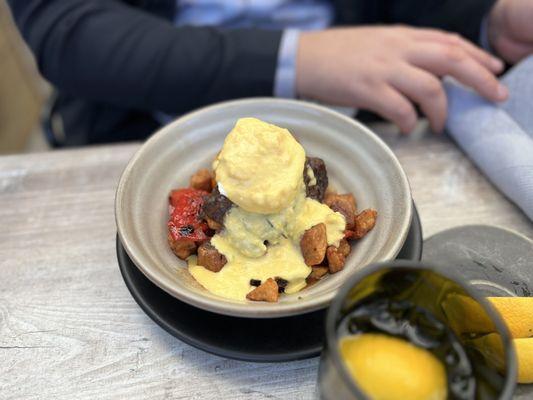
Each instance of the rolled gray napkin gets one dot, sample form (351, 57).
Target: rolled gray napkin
(519, 106)
(498, 138)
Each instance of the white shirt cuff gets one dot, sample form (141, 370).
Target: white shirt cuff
(285, 78)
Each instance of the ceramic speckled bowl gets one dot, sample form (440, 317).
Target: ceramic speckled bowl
(356, 159)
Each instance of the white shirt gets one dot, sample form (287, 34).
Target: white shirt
(291, 16)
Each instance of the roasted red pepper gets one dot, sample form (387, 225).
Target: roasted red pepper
(184, 209)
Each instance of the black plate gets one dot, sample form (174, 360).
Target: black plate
(266, 340)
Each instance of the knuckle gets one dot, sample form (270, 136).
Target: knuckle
(447, 37)
(401, 28)
(454, 37)
(487, 81)
(453, 53)
(370, 84)
(403, 113)
(354, 91)
(361, 91)
(432, 88)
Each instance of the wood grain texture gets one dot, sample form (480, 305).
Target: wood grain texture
(68, 326)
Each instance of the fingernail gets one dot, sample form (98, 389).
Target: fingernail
(502, 92)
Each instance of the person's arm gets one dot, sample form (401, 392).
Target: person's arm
(387, 69)
(106, 51)
(460, 16)
(510, 29)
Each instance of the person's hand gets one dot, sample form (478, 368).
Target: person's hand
(387, 69)
(510, 29)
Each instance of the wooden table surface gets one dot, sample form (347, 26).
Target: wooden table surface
(69, 328)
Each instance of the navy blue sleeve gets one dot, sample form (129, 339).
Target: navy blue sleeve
(461, 16)
(107, 51)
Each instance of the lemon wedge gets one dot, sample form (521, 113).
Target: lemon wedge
(491, 347)
(517, 312)
(467, 316)
(388, 368)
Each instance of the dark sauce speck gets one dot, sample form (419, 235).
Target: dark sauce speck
(282, 284)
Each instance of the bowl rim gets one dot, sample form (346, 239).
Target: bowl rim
(331, 344)
(270, 310)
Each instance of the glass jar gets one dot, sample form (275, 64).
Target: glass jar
(416, 298)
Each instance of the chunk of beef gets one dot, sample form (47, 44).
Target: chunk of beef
(336, 259)
(344, 248)
(315, 188)
(183, 247)
(210, 258)
(267, 291)
(202, 180)
(214, 209)
(336, 256)
(344, 204)
(316, 274)
(213, 224)
(313, 244)
(364, 222)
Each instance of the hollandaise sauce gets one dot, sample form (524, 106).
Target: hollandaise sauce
(260, 166)
(261, 169)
